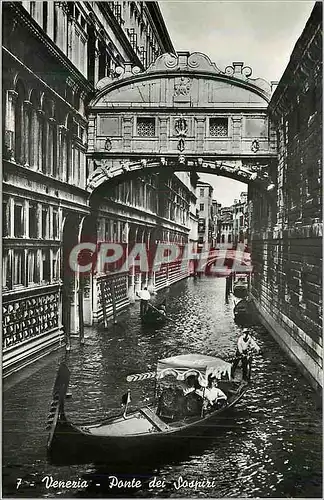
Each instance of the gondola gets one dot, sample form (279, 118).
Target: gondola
(240, 288)
(243, 313)
(153, 316)
(147, 430)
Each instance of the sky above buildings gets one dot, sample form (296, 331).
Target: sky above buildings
(261, 33)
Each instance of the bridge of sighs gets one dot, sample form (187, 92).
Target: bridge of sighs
(183, 113)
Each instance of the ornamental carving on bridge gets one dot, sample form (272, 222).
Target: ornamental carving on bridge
(255, 146)
(101, 173)
(182, 86)
(108, 145)
(181, 129)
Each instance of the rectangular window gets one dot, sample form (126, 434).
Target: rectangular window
(218, 127)
(55, 265)
(18, 220)
(44, 223)
(202, 192)
(102, 61)
(115, 231)
(132, 37)
(32, 266)
(18, 262)
(201, 207)
(5, 219)
(55, 22)
(146, 127)
(56, 234)
(6, 271)
(45, 14)
(46, 266)
(32, 8)
(107, 230)
(32, 220)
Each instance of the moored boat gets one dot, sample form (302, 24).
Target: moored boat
(145, 431)
(243, 314)
(240, 288)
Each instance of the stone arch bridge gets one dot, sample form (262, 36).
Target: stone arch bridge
(182, 114)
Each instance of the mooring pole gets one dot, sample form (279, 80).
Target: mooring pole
(80, 308)
(113, 298)
(103, 302)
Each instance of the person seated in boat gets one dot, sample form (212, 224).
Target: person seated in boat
(191, 384)
(245, 347)
(213, 396)
(190, 401)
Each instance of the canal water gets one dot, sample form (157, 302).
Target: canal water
(269, 446)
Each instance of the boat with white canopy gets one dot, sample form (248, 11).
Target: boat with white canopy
(179, 413)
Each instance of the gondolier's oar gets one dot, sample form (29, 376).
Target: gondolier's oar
(140, 376)
(161, 314)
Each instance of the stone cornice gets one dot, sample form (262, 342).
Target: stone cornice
(156, 219)
(44, 84)
(39, 177)
(24, 17)
(184, 64)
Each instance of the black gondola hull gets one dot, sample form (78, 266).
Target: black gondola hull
(70, 443)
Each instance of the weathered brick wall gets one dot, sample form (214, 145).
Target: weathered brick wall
(287, 223)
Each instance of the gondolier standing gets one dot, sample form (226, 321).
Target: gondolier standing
(245, 346)
(145, 297)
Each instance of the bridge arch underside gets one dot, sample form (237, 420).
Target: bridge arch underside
(181, 114)
(105, 178)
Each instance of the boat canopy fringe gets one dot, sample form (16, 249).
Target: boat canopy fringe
(184, 366)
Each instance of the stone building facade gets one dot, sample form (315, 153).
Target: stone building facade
(287, 223)
(240, 220)
(54, 55)
(205, 211)
(100, 114)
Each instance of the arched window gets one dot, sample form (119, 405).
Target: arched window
(33, 133)
(49, 138)
(69, 149)
(19, 123)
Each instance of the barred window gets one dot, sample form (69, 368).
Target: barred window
(218, 127)
(132, 37)
(146, 127)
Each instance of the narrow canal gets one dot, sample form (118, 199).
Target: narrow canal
(270, 446)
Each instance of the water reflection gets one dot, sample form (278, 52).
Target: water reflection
(269, 445)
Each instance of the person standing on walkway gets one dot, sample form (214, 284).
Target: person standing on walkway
(245, 347)
(145, 296)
